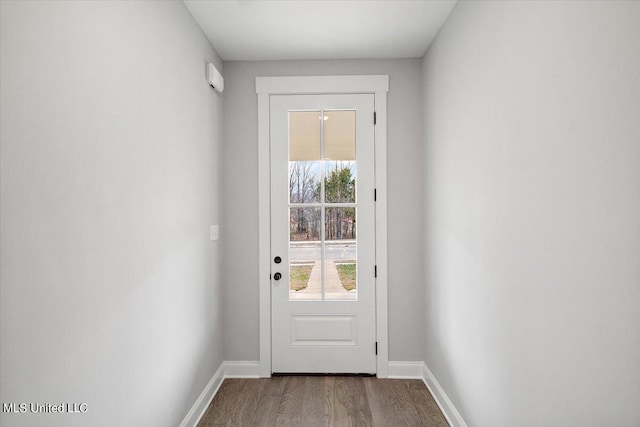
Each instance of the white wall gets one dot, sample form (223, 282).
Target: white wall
(109, 180)
(405, 187)
(532, 152)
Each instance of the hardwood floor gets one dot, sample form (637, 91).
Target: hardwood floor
(323, 401)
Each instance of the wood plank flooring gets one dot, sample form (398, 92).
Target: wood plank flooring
(323, 401)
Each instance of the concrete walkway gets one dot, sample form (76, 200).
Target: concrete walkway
(333, 286)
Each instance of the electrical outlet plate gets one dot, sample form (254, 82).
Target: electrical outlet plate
(214, 233)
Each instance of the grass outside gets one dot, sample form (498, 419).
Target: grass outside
(299, 276)
(347, 273)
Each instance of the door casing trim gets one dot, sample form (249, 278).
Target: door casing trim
(378, 85)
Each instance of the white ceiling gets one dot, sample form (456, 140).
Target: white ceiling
(320, 29)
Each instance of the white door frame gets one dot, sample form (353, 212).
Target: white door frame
(267, 86)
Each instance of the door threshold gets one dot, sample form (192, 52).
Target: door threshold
(317, 374)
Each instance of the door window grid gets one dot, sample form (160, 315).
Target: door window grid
(341, 267)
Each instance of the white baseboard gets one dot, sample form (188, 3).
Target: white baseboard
(419, 370)
(242, 369)
(226, 370)
(198, 409)
(404, 370)
(450, 412)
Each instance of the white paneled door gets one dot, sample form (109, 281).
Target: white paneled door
(322, 233)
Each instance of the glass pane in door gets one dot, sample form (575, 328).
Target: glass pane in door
(322, 205)
(305, 254)
(305, 175)
(304, 156)
(340, 156)
(340, 181)
(340, 254)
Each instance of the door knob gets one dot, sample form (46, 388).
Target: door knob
(277, 276)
